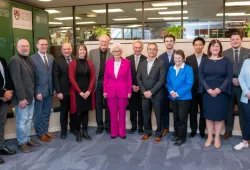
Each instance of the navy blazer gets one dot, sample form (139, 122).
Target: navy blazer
(182, 83)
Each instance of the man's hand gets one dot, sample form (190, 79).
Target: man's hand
(39, 97)
(129, 96)
(22, 104)
(60, 96)
(8, 95)
(147, 94)
(248, 95)
(235, 82)
(105, 95)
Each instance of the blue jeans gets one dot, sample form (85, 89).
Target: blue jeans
(23, 122)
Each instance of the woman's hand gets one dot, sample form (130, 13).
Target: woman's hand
(81, 94)
(105, 95)
(86, 95)
(129, 96)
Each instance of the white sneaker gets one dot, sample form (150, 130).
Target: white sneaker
(240, 146)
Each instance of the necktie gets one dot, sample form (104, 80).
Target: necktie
(46, 62)
(136, 62)
(68, 60)
(236, 63)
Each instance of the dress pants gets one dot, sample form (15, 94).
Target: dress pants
(165, 109)
(147, 105)
(4, 107)
(65, 108)
(79, 119)
(42, 115)
(180, 110)
(229, 123)
(101, 103)
(195, 102)
(135, 107)
(117, 107)
(246, 128)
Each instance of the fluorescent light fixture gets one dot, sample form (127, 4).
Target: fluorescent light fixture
(109, 10)
(66, 18)
(167, 18)
(45, 0)
(87, 22)
(125, 19)
(65, 27)
(232, 14)
(52, 11)
(240, 3)
(133, 26)
(172, 12)
(55, 23)
(158, 4)
(234, 21)
(151, 9)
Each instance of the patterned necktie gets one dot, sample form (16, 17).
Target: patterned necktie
(46, 62)
(68, 60)
(236, 63)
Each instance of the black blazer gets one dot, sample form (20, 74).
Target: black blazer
(131, 58)
(154, 81)
(61, 75)
(192, 61)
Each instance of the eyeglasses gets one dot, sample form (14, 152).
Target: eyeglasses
(116, 51)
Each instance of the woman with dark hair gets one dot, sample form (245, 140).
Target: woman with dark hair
(215, 74)
(180, 80)
(82, 79)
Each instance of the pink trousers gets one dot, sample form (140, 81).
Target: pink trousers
(117, 109)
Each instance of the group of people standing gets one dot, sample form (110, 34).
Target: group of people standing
(103, 79)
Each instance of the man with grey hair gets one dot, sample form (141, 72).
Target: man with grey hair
(23, 76)
(99, 57)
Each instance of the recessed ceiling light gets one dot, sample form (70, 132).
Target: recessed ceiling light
(87, 22)
(240, 3)
(109, 10)
(125, 19)
(151, 9)
(132, 26)
(52, 11)
(172, 12)
(157, 4)
(45, 0)
(55, 23)
(66, 18)
(232, 14)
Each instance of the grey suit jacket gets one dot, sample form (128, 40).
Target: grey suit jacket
(23, 79)
(153, 82)
(94, 56)
(43, 77)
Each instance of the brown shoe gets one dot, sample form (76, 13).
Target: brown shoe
(51, 135)
(145, 137)
(24, 148)
(165, 132)
(226, 136)
(33, 143)
(44, 138)
(157, 139)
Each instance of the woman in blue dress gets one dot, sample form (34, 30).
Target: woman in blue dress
(215, 74)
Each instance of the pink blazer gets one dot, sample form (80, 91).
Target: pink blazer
(120, 86)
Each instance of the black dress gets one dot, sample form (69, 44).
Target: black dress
(83, 81)
(215, 74)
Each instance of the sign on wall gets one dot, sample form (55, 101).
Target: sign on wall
(21, 18)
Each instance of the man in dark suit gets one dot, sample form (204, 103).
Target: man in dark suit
(99, 57)
(196, 102)
(151, 78)
(62, 85)
(168, 58)
(135, 104)
(6, 94)
(237, 54)
(22, 73)
(43, 63)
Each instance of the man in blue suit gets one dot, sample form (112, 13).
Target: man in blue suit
(43, 62)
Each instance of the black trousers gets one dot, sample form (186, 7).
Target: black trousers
(246, 128)
(65, 108)
(135, 107)
(195, 103)
(180, 110)
(165, 108)
(79, 119)
(147, 105)
(101, 103)
(3, 115)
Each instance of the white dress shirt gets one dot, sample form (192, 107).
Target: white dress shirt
(42, 57)
(177, 70)
(117, 65)
(150, 65)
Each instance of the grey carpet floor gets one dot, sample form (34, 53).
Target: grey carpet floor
(104, 153)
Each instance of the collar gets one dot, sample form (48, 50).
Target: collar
(137, 55)
(151, 60)
(182, 66)
(200, 56)
(42, 54)
(237, 49)
(103, 51)
(171, 53)
(68, 57)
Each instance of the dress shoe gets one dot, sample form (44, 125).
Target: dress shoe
(78, 136)
(146, 137)
(63, 134)
(33, 143)
(72, 131)
(1, 161)
(203, 135)
(165, 132)
(174, 138)
(51, 135)
(217, 144)
(208, 143)
(157, 139)
(140, 131)
(113, 137)
(99, 130)
(226, 136)
(132, 130)
(24, 148)
(44, 138)
(179, 142)
(123, 137)
(192, 134)
(85, 135)
(108, 130)
(7, 151)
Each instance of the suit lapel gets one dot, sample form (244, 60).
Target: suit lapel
(152, 68)
(39, 59)
(25, 64)
(121, 68)
(194, 60)
(133, 63)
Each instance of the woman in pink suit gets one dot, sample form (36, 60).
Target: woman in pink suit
(117, 90)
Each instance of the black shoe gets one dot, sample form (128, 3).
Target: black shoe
(78, 136)
(174, 138)
(203, 135)
(99, 130)
(179, 142)
(7, 151)
(192, 134)
(72, 131)
(113, 137)
(140, 131)
(85, 135)
(63, 134)
(132, 130)
(124, 137)
(1, 161)
(108, 130)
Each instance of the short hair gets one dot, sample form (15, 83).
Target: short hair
(104, 35)
(152, 44)
(115, 46)
(199, 39)
(236, 33)
(138, 41)
(77, 50)
(181, 53)
(41, 38)
(214, 41)
(169, 36)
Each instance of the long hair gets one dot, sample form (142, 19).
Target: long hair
(209, 53)
(77, 51)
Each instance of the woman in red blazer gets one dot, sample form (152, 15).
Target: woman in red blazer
(117, 90)
(82, 79)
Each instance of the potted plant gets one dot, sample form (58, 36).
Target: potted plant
(174, 30)
(98, 31)
(247, 29)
